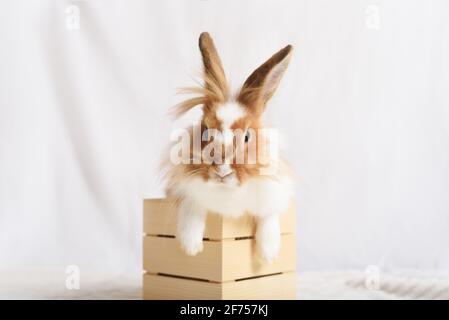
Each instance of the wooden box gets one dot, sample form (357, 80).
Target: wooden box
(227, 268)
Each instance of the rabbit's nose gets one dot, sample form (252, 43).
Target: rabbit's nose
(224, 170)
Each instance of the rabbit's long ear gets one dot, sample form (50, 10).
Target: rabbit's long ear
(262, 83)
(214, 76)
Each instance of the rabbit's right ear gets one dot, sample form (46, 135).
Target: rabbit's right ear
(214, 76)
(263, 82)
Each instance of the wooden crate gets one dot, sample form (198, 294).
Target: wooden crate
(227, 268)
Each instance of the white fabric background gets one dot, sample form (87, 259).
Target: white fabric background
(364, 105)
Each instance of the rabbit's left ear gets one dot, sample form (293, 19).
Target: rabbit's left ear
(262, 83)
(214, 75)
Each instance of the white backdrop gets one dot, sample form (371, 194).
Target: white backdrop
(364, 105)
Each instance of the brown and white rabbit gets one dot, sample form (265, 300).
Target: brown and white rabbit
(230, 188)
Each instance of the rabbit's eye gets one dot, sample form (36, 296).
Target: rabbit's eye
(206, 136)
(247, 136)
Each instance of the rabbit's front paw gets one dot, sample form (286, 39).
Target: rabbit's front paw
(191, 244)
(268, 238)
(269, 247)
(191, 222)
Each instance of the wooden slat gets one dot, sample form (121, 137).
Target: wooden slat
(156, 287)
(219, 261)
(280, 286)
(276, 287)
(160, 219)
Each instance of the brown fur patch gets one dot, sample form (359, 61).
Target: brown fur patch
(214, 75)
(252, 94)
(214, 89)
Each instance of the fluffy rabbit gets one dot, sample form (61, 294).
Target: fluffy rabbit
(227, 187)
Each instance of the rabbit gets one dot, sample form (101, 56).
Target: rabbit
(231, 189)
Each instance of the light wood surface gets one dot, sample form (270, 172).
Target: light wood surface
(219, 261)
(159, 218)
(280, 286)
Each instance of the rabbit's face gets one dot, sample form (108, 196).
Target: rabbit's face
(233, 146)
(231, 129)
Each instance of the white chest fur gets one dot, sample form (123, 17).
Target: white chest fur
(262, 196)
